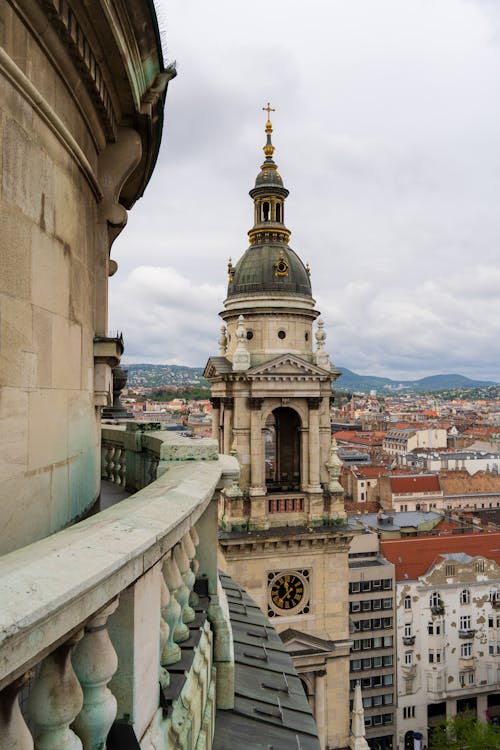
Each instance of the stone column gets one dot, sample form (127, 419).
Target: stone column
(216, 420)
(320, 712)
(304, 457)
(257, 478)
(228, 403)
(314, 457)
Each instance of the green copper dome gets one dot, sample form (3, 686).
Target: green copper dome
(275, 269)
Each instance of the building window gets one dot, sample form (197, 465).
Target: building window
(465, 622)
(407, 602)
(366, 586)
(407, 631)
(465, 597)
(409, 712)
(466, 678)
(387, 583)
(450, 569)
(479, 566)
(354, 587)
(408, 658)
(435, 599)
(435, 656)
(386, 603)
(355, 606)
(388, 679)
(465, 650)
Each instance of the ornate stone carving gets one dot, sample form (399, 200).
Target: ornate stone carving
(180, 593)
(322, 357)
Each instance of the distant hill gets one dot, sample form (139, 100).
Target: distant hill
(155, 376)
(351, 381)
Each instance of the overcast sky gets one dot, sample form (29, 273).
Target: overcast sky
(387, 131)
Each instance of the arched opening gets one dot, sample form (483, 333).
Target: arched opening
(278, 212)
(282, 450)
(409, 744)
(265, 211)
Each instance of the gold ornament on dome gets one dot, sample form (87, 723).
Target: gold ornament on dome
(281, 266)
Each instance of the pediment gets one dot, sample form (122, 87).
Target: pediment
(295, 641)
(216, 366)
(288, 365)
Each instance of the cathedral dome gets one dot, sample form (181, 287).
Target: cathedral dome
(269, 268)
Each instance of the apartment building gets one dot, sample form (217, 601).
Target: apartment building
(447, 630)
(372, 626)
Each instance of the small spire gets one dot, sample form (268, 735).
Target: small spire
(268, 148)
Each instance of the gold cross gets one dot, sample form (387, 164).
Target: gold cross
(268, 109)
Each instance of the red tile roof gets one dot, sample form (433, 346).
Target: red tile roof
(413, 557)
(359, 438)
(370, 472)
(415, 483)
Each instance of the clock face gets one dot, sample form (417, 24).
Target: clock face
(288, 592)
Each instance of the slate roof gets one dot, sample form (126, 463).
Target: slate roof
(271, 709)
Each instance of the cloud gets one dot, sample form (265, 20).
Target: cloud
(386, 134)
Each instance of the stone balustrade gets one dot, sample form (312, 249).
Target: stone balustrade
(115, 632)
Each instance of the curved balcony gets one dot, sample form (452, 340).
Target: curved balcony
(103, 631)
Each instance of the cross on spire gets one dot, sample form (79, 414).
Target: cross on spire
(268, 109)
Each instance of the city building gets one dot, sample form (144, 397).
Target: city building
(448, 630)
(398, 441)
(284, 535)
(373, 628)
(410, 492)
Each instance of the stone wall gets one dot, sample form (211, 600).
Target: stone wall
(64, 160)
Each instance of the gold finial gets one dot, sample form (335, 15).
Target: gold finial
(308, 269)
(230, 269)
(268, 148)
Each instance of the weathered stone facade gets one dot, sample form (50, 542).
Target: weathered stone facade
(82, 88)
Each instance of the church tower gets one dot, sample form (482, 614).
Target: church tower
(284, 535)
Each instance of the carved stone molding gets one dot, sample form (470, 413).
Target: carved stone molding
(64, 20)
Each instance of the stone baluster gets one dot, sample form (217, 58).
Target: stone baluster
(14, 734)
(117, 464)
(95, 663)
(123, 468)
(190, 547)
(109, 462)
(170, 652)
(179, 592)
(56, 700)
(184, 565)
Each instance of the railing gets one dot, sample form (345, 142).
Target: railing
(95, 619)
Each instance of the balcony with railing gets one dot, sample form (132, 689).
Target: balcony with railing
(116, 629)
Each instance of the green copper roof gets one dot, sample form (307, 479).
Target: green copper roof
(259, 271)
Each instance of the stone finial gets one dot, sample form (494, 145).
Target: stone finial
(334, 466)
(358, 740)
(241, 356)
(322, 357)
(223, 341)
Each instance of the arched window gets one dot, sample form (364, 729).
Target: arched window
(278, 212)
(435, 600)
(465, 597)
(265, 211)
(282, 450)
(407, 602)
